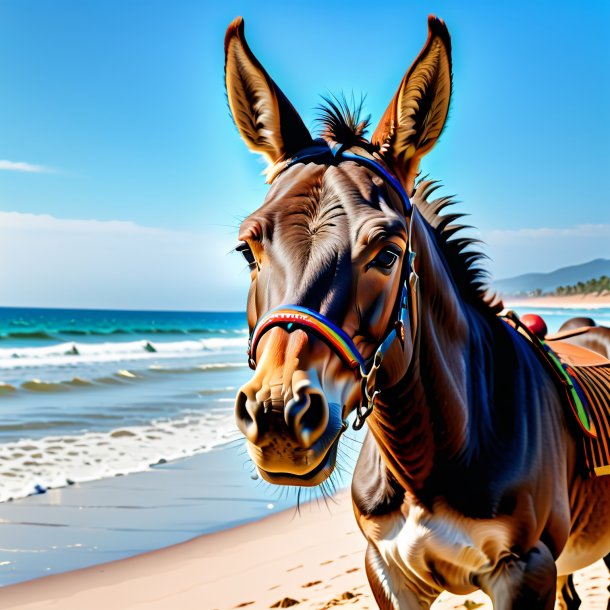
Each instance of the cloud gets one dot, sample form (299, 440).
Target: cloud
(53, 262)
(47, 261)
(524, 250)
(20, 166)
(575, 232)
(45, 222)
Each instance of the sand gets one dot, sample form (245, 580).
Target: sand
(314, 558)
(576, 301)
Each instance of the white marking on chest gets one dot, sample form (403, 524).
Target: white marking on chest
(440, 542)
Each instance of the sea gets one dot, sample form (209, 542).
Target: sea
(87, 395)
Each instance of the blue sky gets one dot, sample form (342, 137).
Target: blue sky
(122, 178)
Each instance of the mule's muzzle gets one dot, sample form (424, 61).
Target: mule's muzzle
(292, 430)
(303, 409)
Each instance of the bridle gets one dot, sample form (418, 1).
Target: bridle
(293, 317)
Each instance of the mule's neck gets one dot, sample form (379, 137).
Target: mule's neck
(403, 419)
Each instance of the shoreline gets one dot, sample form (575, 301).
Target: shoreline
(108, 519)
(576, 301)
(312, 560)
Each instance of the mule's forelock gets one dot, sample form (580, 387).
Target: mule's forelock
(341, 121)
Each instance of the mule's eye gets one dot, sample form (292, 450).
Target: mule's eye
(247, 253)
(385, 259)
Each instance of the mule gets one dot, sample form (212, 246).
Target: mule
(365, 297)
(596, 338)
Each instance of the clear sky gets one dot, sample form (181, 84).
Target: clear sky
(123, 179)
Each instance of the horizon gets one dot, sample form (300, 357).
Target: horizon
(243, 311)
(122, 176)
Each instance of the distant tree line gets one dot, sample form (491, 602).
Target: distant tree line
(599, 285)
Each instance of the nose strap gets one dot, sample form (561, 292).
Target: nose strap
(293, 317)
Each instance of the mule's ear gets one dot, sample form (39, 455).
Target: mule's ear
(266, 120)
(416, 116)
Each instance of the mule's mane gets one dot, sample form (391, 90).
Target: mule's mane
(462, 253)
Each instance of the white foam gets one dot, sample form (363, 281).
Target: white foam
(54, 461)
(66, 354)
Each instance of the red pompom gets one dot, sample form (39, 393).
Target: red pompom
(535, 324)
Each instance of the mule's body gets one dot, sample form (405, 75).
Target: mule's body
(470, 475)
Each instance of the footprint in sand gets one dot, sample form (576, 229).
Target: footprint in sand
(324, 563)
(337, 600)
(244, 604)
(292, 570)
(285, 603)
(313, 583)
(351, 570)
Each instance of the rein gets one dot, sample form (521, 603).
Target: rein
(293, 317)
(574, 393)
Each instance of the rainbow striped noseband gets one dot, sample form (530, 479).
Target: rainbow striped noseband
(293, 317)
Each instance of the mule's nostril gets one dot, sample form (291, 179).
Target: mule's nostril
(315, 414)
(307, 415)
(245, 422)
(241, 413)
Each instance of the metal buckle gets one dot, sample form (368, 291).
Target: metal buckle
(365, 408)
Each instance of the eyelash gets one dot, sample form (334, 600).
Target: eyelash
(376, 262)
(246, 252)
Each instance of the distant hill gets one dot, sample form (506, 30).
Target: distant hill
(548, 282)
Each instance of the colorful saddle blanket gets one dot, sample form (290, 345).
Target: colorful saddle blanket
(590, 374)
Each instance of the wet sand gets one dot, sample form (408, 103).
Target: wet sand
(92, 523)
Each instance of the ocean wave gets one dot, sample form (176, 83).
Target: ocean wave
(28, 334)
(120, 377)
(56, 334)
(157, 368)
(37, 385)
(31, 466)
(68, 353)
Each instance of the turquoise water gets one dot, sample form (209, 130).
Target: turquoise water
(556, 316)
(87, 395)
(67, 324)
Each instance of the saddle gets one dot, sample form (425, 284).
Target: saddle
(584, 377)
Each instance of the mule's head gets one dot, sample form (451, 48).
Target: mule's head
(332, 237)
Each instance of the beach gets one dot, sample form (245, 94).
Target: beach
(574, 301)
(310, 560)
